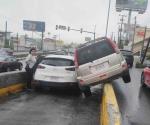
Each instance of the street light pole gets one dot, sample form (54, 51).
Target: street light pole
(122, 19)
(94, 32)
(5, 45)
(108, 18)
(42, 41)
(133, 34)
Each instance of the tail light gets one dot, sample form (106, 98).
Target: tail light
(76, 59)
(116, 49)
(71, 69)
(81, 82)
(2, 62)
(40, 67)
(124, 66)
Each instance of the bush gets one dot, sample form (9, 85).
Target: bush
(139, 65)
(148, 58)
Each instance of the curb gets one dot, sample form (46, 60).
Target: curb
(110, 114)
(11, 89)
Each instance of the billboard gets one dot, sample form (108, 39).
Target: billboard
(134, 5)
(34, 26)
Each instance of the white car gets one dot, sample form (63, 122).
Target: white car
(56, 71)
(99, 62)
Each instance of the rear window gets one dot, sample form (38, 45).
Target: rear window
(126, 52)
(94, 52)
(2, 58)
(57, 62)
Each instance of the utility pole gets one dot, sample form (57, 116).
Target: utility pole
(133, 34)
(145, 30)
(108, 18)
(42, 40)
(17, 42)
(122, 19)
(129, 20)
(145, 51)
(94, 32)
(6, 35)
(112, 35)
(118, 36)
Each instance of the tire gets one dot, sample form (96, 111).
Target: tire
(8, 69)
(126, 77)
(142, 80)
(86, 91)
(131, 65)
(20, 67)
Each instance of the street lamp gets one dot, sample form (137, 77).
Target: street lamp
(108, 18)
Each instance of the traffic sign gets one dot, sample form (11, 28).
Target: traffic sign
(61, 27)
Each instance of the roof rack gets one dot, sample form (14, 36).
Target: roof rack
(92, 41)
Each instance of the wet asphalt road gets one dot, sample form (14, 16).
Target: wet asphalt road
(63, 107)
(54, 107)
(133, 100)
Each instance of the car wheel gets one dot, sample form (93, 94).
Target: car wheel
(21, 67)
(77, 90)
(131, 65)
(86, 91)
(8, 69)
(126, 77)
(142, 80)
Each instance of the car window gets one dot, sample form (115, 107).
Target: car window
(57, 62)
(2, 58)
(94, 51)
(126, 52)
(13, 59)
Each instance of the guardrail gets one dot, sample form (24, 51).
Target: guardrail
(12, 82)
(110, 114)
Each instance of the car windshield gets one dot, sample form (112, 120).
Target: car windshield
(94, 51)
(57, 62)
(2, 58)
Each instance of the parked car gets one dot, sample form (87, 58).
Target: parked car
(99, 62)
(145, 77)
(9, 63)
(56, 71)
(6, 51)
(128, 55)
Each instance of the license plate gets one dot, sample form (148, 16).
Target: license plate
(52, 78)
(101, 66)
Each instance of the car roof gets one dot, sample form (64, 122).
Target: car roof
(91, 43)
(60, 56)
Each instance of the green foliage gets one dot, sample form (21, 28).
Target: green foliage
(139, 65)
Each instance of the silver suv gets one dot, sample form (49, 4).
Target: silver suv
(99, 62)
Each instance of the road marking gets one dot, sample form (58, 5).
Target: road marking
(11, 89)
(110, 114)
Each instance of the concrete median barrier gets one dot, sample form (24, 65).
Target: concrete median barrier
(110, 114)
(12, 82)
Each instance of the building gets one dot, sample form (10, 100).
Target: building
(52, 44)
(140, 32)
(49, 44)
(2, 39)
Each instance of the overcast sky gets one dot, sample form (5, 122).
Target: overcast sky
(74, 13)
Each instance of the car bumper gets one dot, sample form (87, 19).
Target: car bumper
(54, 84)
(105, 79)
